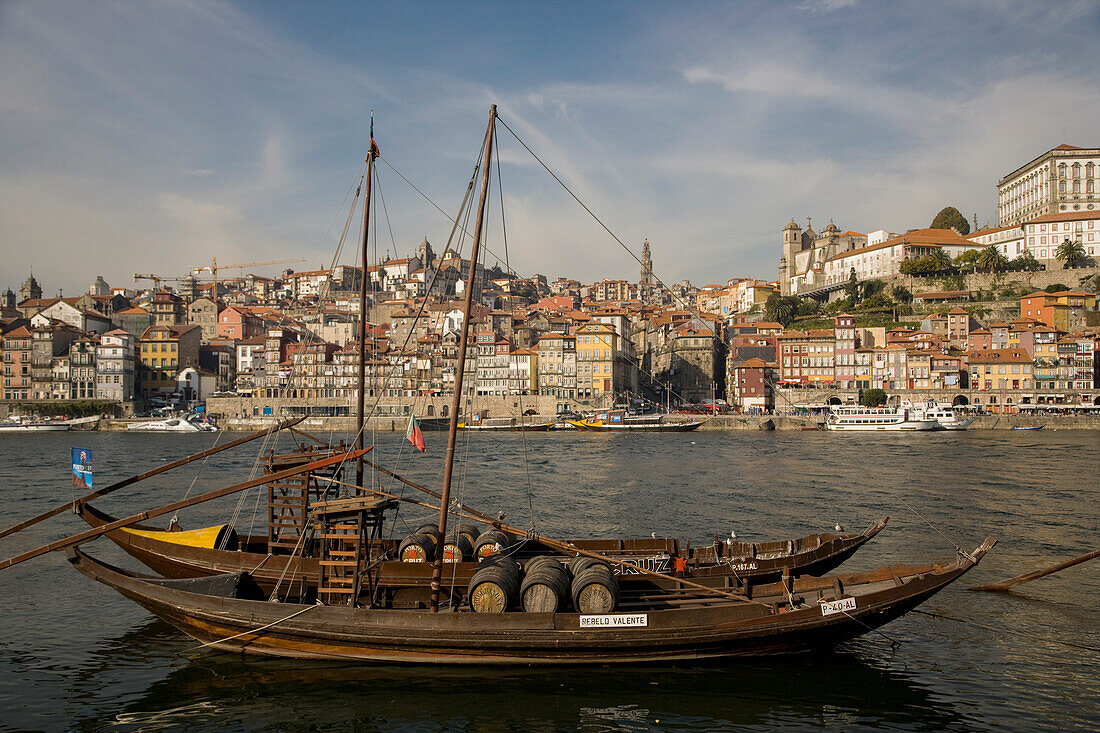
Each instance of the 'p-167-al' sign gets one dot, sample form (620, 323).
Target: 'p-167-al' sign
(839, 606)
(614, 620)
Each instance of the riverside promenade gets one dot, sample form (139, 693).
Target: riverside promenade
(716, 423)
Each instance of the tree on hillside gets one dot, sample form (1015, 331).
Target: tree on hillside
(808, 307)
(1072, 254)
(941, 259)
(1026, 263)
(851, 289)
(781, 309)
(1055, 288)
(950, 218)
(872, 397)
(902, 294)
(968, 260)
(991, 259)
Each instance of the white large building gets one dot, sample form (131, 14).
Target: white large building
(1062, 180)
(1042, 235)
(114, 366)
(879, 256)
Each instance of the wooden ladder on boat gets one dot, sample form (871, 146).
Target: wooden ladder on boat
(288, 500)
(345, 531)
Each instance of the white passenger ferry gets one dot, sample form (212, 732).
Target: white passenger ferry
(946, 417)
(878, 418)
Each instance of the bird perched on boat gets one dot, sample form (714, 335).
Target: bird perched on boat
(838, 528)
(732, 538)
(653, 535)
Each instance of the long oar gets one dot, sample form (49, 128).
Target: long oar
(91, 534)
(148, 474)
(1035, 575)
(467, 513)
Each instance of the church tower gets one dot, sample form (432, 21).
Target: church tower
(425, 254)
(647, 264)
(30, 289)
(792, 243)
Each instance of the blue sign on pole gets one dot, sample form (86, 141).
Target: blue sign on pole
(82, 467)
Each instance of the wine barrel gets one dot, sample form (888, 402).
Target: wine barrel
(545, 587)
(429, 528)
(470, 531)
(417, 547)
(595, 590)
(457, 547)
(537, 560)
(495, 585)
(580, 563)
(490, 542)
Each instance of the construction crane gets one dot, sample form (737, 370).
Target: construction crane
(157, 280)
(213, 267)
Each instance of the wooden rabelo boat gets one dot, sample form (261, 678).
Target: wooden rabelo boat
(230, 613)
(609, 421)
(557, 614)
(213, 550)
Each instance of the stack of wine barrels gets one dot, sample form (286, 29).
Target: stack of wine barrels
(545, 587)
(495, 586)
(490, 542)
(594, 588)
(420, 546)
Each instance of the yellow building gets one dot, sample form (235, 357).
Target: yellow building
(165, 350)
(597, 346)
(999, 369)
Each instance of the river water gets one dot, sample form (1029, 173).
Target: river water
(74, 655)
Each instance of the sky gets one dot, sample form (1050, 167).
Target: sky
(151, 137)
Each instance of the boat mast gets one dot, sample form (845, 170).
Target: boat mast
(460, 366)
(360, 379)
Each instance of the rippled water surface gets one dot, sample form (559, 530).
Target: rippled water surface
(75, 655)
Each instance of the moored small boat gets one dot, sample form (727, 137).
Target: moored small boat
(621, 421)
(211, 550)
(189, 424)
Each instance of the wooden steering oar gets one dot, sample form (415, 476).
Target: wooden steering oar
(1036, 574)
(91, 534)
(148, 474)
(467, 513)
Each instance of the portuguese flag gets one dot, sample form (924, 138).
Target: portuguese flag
(413, 434)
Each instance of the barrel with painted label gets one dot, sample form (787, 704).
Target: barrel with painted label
(495, 586)
(490, 542)
(595, 590)
(545, 586)
(457, 547)
(417, 547)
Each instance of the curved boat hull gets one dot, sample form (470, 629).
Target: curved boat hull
(803, 615)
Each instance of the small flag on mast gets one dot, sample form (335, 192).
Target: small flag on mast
(414, 436)
(82, 468)
(373, 145)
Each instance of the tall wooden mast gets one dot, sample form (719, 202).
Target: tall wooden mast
(460, 366)
(360, 379)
